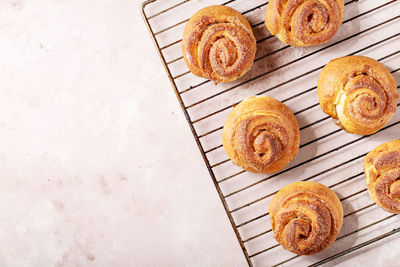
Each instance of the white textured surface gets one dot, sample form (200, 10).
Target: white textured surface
(98, 167)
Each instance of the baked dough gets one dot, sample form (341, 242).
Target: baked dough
(261, 135)
(306, 217)
(304, 23)
(382, 171)
(218, 44)
(359, 93)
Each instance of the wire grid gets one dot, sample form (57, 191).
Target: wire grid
(327, 154)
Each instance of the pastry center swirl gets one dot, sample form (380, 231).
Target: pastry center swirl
(261, 139)
(367, 99)
(267, 146)
(311, 21)
(314, 17)
(220, 48)
(304, 224)
(225, 51)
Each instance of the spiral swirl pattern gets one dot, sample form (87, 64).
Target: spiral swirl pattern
(305, 22)
(260, 138)
(218, 44)
(359, 93)
(382, 170)
(306, 217)
(261, 135)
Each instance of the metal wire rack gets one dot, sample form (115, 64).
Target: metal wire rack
(327, 154)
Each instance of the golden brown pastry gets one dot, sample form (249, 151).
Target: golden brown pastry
(382, 170)
(359, 93)
(306, 217)
(261, 135)
(304, 23)
(218, 44)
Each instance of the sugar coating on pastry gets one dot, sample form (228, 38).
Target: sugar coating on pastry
(304, 23)
(382, 172)
(359, 93)
(218, 44)
(306, 217)
(261, 135)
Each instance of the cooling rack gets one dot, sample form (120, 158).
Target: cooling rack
(327, 154)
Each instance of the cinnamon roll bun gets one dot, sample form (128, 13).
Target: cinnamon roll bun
(261, 135)
(306, 217)
(306, 22)
(382, 171)
(218, 44)
(359, 93)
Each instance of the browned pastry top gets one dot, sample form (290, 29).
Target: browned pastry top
(304, 23)
(382, 171)
(261, 135)
(218, 44)
(358, 92)
(306, 217)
